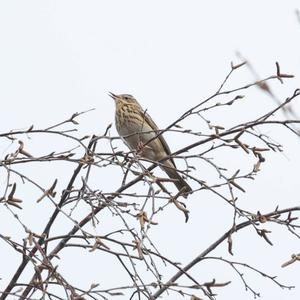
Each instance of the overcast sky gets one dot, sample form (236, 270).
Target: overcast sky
(61, 57)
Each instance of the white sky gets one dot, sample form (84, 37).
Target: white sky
(61, 57)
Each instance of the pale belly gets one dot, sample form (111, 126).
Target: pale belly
(137, 138)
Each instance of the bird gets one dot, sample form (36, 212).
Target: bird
(139, 132)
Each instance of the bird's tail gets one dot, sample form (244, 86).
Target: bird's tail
(179, 182)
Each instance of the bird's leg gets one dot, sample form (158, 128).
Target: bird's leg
(144, 150)
(139, 148)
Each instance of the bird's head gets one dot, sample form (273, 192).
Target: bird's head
(123, 99)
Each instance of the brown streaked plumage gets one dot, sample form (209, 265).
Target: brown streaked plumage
(137, 128)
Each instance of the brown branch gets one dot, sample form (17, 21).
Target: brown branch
(213, 246)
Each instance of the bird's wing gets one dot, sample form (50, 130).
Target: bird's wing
(152, 124)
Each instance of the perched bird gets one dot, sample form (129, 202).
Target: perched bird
(137, 128)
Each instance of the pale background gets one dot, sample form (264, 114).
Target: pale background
(61, 57)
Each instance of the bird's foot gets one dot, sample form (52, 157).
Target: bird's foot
(139, 148)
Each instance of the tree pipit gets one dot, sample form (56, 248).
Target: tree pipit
(141, 134)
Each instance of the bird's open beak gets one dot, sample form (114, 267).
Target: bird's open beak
(113, 95)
